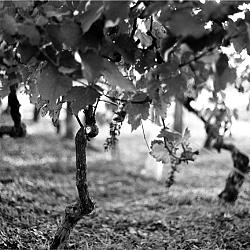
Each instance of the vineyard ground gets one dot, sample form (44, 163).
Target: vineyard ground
(132, 211)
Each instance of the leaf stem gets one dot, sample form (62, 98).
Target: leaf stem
(112, 103)
(79, 121)
(49, 58)
(180, 159)
(165, 141)
(96, 105)
(144, 136)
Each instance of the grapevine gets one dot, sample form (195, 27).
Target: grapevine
(151, 52)
(115, 127)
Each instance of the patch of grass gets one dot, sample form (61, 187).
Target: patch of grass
(132, 212)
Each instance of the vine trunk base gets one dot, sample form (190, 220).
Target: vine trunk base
(237, 176)
(84, 206)
(19, 128)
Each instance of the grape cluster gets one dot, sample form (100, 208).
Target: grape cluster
(114, 128)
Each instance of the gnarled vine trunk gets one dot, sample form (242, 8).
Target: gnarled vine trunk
(84, 206)
(19, 128)
(236, 177)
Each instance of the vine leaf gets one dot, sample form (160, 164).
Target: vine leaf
(26, 51)
(80, 97)
(115, 77)
(160, 105)
(53, 9)
(54, 113)
(41, 21)
(4, 91)
(23, 4)
(115, 11)
(31, 32)
(137, 112)
(153, 7)
(167, 43)
(159, 152)
(44, 110)
(70, 33)
(92, 66)
(175, 86)
(177, 21)
(127, 47)
(9, 24)
(90, 16)
(224, 74)
(239, 31)
(169, 135)
(146, 61)
(52, 84)
(165, 70)
(186, 136)
(54, 33)
(95, 66)
(145, 40)
(67, 62)
(33, 92)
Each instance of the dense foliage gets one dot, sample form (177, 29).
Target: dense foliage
(137, 53)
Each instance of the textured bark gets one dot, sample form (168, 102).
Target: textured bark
(212, 133)
(237, 176)
(84, 206)
(19, 128)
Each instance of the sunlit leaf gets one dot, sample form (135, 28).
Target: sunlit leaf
(145, 40)
(115, 11)
(31, 32)
(71, 33)
(182, 23)
(90, 16)
(137, 111)
(9, 24)
(52, 84)
(115, 77)
(224, 74)
(159, 152)
(80, 97)
(169, 135)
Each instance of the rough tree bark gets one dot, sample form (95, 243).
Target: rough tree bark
(84, 206)
(19, 128)
(236, 177)
(211, 135)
